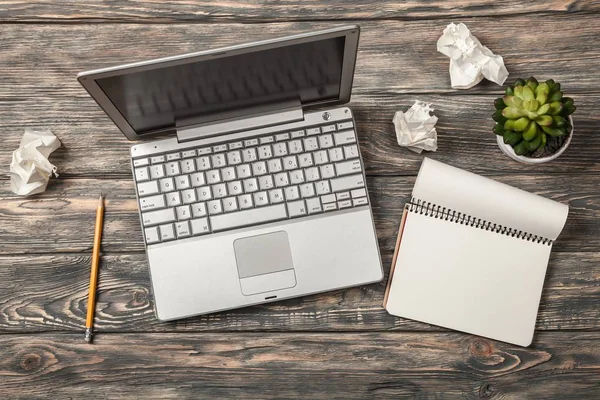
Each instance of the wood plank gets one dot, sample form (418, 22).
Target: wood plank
(257, 11)
(62, 219)
(278, 365)
(40, 293)
(94, 147)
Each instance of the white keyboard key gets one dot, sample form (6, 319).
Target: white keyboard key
(291, 193)
(175, 156)
(347, 183)
(274, 165)
(259, 168)
(230, 204)
(173, 199)
(197, 179)
(140, 162)
(296, 208)
(296, 176)
(206, 150)
(243, 171)
(267, 139)
(203, 163)
(250, 185)
(281, 179)
(248, 217)
(219, 190)
(188, 196)
(329, 207)
(148, 188)
(182, 182)
(157, 171)
(198, 210)
(265, 152)
(167, 185)
(305, 160)
(167, 232)
(157, 159)
(336, 154)
(152, 235)
(313, 205)
(310, 144)
(203, 193)
(322, 187)
(228, 174)
(358, 193)
(261, 199)
(265, 182)
(214, 207)
(218, 160)
(251, 142)
(320, 157)
(344, 204)
(220, 147)
(345, 137)
(245, 201)
(141, 174)
(313, 131)
(297, 134)
(345, 125)
(327, 171)
(234, 157)
(213, 176)
(188, 153)
(188, 166)
(325, 141)
(158, 217)
(351, 151)
(280, 149)
(348, 167)
(235, 145)
(152, 202)
(342, 196)
(276, 196)
(307, 190)
(290, 162)
(199, 226)
(295, 146)
(328, 128)
(360, 201)
(249, 155)
(183, 229)
(312, 174)
(282, 136)
(173, 168)
(183, 212)
(328, 198)
(235, 188)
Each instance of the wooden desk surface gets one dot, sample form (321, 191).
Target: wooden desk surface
(336, 345)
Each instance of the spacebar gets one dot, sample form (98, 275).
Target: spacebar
(249, 217)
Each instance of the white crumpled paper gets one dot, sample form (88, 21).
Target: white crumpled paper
(415, 128)
(470, 61)
(30, 169)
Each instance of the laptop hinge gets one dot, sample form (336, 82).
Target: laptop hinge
(233, 122)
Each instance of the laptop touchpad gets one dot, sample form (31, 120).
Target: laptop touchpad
(264, 263)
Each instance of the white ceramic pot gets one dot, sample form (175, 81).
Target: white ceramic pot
(508, 150)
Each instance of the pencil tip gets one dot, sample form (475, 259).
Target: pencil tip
(101, 200)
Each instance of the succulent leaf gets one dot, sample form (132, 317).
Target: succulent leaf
(519, 91)
(519, 82)
(521, 124)
(532, 83)
(528, 93)
(567, 101)
(553, 131)
(499, 103)
(513, 112)
(556, 96)
(555, 108)
(510, 91)
(512, 138)
(531, 131)
(498, 129)
(498, 117)
(559, 121)
(543, 109)
(512, 101)
(521, 148)
(534, 144)
(544, 120)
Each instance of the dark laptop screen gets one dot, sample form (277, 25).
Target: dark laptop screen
(307, 72)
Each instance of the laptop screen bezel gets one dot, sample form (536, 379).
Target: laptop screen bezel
(88, 78)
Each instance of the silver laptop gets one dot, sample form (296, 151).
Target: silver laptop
(255, 195)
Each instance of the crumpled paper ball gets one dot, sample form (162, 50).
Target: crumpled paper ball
(30, 169)
(415, 128)
(470, 61)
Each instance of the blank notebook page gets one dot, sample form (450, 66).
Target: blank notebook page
(464, 276)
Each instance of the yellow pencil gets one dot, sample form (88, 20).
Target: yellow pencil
(91, 306)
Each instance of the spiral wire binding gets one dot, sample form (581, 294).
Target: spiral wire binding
(433, 210)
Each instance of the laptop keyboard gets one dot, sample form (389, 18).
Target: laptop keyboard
(269, 178)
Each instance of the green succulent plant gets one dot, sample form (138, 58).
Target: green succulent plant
(530, 112)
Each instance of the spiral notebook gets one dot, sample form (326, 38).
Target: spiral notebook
(472, 254)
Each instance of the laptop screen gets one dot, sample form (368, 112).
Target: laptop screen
(154, 99)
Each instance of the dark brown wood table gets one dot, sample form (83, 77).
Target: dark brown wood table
(335, 345)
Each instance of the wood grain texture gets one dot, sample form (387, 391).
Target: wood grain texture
(269, 11)
(56, 300)
(278, 365)
(62, 219)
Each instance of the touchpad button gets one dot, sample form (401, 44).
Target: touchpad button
(264, 263)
